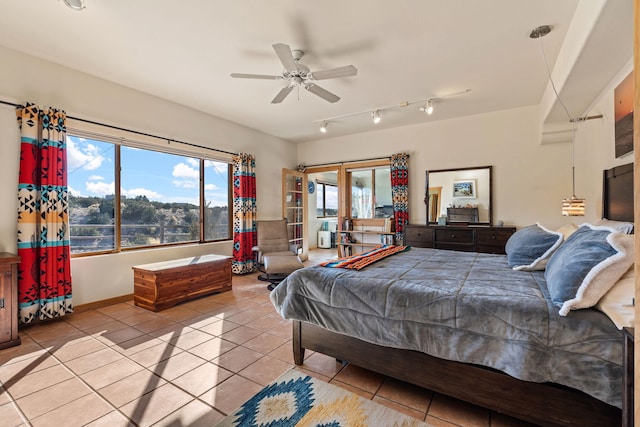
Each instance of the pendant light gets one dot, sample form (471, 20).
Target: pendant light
(573, 206)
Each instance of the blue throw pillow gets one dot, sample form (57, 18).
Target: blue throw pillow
(587, 265)
(529, 248)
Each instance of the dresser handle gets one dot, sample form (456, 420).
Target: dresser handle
(453, 236)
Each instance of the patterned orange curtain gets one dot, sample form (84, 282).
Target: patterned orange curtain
(244, 213)
(44, 272)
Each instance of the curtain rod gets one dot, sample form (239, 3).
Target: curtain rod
(13, 104)
(346, 161)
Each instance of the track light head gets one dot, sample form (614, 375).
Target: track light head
(376, 117)
(323, 127)
(429, 107)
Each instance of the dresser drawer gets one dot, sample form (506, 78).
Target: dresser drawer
(492, 240)
(419, 237)
(458, 235)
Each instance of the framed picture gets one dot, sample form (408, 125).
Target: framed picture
(465, 188)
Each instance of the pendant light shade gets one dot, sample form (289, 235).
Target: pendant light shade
(573, 206)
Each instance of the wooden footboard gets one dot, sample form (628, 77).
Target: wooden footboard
(540, 403)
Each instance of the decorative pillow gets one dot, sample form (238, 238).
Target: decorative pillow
(618, 302)
(567, 230)
(587, 265)
(529, 248)
(621, 226)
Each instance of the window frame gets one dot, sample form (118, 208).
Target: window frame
(324, 199)
(202, 156)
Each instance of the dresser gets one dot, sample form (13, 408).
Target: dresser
(483, 239)
(9, 300)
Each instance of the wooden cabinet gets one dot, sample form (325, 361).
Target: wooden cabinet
(459, 238)
(164, 284)
(9, 300)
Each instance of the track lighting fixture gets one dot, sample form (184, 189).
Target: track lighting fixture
(427, 107)
(74, 4)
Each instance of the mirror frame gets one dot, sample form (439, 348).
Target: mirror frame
(426, 195)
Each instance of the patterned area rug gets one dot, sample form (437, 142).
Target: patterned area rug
(296, 399)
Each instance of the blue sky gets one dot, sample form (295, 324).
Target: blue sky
(159, 176)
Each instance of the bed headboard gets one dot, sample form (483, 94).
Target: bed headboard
(617, 193)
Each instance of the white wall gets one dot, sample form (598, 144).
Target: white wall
(24, 78)
(529, 179)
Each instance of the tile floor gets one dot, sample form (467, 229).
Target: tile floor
(189, 365)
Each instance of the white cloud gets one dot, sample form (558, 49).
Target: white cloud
(182, 170)
(100, 189)
(95, 178)
(74, 192)
(221, 167)
(193, 162)
(185, 183)
(211, 187)
(134, 192)
(187, 177)
(86, 156)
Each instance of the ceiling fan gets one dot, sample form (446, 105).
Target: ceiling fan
(296, 75)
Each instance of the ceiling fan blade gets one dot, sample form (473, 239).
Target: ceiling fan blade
(286, 57)
(322, 93)
(282, 95)
(254, 76)
(346, 71)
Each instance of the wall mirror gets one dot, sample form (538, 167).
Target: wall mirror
(459, 196)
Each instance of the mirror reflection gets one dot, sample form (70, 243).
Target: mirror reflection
(461, 195)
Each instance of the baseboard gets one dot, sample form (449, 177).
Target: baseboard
(102, 303)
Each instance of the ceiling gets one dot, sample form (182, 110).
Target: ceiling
(404, 51)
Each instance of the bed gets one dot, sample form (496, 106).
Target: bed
(490, 336)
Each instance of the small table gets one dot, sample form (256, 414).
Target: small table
(164, 284)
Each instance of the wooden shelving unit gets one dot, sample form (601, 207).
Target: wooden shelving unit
(363, 235)
(294, 209)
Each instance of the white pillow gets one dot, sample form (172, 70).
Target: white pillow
(621, 226)
(618, 302)
(567, 230)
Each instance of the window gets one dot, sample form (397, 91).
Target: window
(92, 194)
(326, 200)
(163, 198)
(371, 193)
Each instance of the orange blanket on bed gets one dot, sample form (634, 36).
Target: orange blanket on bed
(360, 261)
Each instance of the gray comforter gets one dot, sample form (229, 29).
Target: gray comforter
(465, 307)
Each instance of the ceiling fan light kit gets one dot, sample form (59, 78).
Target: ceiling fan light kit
(297, 75)
(75, 4)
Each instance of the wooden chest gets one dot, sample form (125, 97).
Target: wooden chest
(164, 284)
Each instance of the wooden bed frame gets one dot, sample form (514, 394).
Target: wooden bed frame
(544, 404)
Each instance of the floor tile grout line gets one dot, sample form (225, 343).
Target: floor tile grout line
(15, 405)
